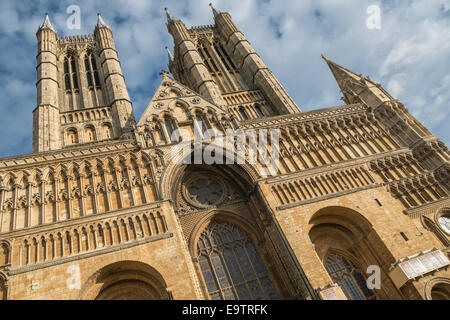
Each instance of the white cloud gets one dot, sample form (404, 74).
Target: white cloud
(408, 55)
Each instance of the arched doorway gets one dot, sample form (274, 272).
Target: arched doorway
(125, 280)
(347, 244)
(128, 290)
(230, 264)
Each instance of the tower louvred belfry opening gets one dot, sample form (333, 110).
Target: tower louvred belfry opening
(107, 207)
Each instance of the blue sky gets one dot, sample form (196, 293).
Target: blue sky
(409, 55)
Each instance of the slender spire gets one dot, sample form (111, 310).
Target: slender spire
(101, 23)
(170, 55)
(47, 24)
(340, 73)
(169, 15)
(350, 83)
(215, 12)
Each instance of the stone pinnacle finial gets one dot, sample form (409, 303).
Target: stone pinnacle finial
(100, 22)
(170, 55)
(169, 16)
(324, 58)
(215, 12)
(47, 24)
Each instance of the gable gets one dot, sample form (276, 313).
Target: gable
(175, 99)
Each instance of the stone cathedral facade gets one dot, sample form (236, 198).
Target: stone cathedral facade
(102, 210)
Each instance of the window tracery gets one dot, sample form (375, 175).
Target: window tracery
(205, 191)
(70, 74)
(444, 223)
(348, 276)
(231, 266)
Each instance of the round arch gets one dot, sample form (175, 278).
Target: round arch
(125, 280)
(437, 289)
(346, 217)
(175, 168)
(348, 232)
(442, 212)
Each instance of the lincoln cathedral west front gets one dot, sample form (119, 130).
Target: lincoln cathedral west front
(358, 206)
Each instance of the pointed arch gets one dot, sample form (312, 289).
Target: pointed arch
(231, 264)
(344, 269)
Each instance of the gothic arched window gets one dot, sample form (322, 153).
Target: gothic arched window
(89, 133)
(170, 130)
(200, 125)
(224, 56)
(259, 110)
(107, 131)
(348, 276)
(231, 265)
(72, 136)
(444, 223)
(207, 59)
(91, 71)
(243, 113)
(4, 253)
(70, 74)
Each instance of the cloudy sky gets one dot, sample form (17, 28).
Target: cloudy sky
(409, 54)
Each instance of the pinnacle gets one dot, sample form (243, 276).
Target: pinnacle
(170, 55)
(169, 15)
(47, 24)
(101, 23)
(215, 11)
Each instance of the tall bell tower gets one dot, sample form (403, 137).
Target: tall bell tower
(219, 63)
(82, 97)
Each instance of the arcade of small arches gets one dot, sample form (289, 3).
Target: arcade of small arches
(74, 189)
(159, 129)
(250, 111)
(88, 133)
(87, 115)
